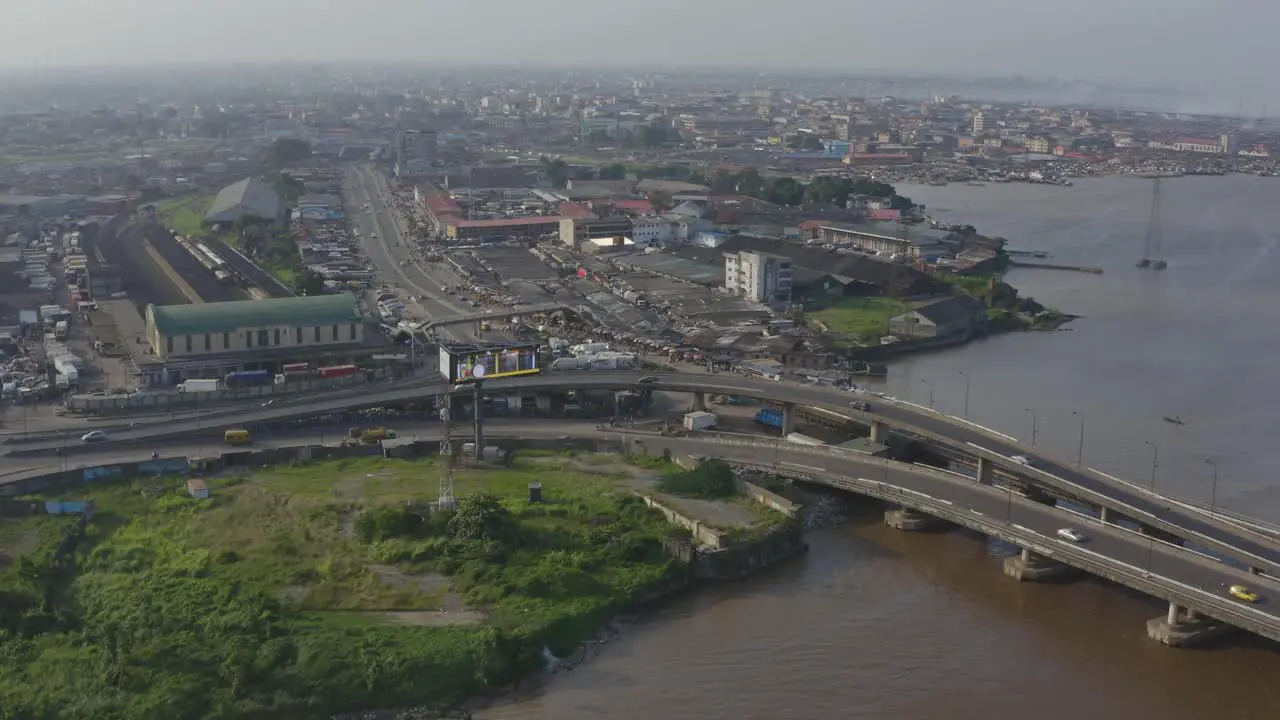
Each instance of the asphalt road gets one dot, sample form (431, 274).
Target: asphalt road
(1159, 559)
(1222, 537)
(389, 250)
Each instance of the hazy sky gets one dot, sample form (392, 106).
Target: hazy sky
(1191, 44)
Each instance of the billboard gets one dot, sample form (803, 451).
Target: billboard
(458, 362)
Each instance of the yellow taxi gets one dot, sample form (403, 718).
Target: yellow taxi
(1241, 592)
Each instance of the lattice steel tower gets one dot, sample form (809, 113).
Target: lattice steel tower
(447, 501)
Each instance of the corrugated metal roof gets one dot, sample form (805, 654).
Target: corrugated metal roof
(232, 316)
(250, 196)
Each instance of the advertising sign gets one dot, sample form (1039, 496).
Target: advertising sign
(460, 363)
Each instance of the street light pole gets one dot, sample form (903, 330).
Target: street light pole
(1155, 462)
(965, 375)
(930, 386)
(1080, 446)
(1213, 498)
(1035, 425)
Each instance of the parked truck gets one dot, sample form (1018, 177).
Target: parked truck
(198, 386)
(248, 378)
(700, 420)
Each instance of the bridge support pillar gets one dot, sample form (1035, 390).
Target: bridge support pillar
(1254, 571)
(912, 520)
(699, 402)
(788, 419)
(878, 433)
(1182, 627)
(1105, 514)
(1030, 567)
(984, 471)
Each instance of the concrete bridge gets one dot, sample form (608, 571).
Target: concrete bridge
(919, 498)
(1246, 543)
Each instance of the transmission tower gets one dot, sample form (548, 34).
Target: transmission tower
(446, 501)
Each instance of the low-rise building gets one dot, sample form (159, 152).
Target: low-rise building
(958, 315)
(574, 232)
(297, 325)
(249, 197)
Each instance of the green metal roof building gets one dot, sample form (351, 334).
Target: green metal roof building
(295, 323)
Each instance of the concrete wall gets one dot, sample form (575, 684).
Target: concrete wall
(705, 536)
(768, 498)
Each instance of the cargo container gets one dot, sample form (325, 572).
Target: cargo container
(699, 420)
(338, 371)
(198, 386)
(247, 378)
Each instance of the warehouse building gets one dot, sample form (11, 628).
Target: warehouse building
(209, 339)
(249, 197)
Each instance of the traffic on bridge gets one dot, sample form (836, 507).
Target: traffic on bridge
(1240, 543)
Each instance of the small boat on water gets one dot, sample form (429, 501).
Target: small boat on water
(1175, 420)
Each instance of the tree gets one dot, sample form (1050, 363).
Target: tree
(558, 172)
(651, 136)
(660, 200)
(481, 517)
(616, 171)
(286, 151)
(308, 282)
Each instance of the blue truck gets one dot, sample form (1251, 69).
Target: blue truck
(248, 378)
(770, 417)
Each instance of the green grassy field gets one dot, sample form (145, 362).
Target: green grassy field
(308, 590)
(865, 318)
(185, 215)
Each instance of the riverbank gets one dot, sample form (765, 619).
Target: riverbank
(322, 588)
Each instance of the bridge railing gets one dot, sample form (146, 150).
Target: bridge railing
(1198, 599)
(1242, 522)
(1082, 492)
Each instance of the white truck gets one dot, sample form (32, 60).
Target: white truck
(700, 420)
(198, 386)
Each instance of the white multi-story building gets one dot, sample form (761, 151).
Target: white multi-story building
(651, 230)
(979, 123)
(759, 277)
(1199, 145)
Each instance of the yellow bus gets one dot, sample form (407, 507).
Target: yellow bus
(237, 437)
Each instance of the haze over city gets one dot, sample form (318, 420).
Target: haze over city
(1164, 44)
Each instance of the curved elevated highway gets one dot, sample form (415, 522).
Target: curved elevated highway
(1189, 581)
(1254, 549)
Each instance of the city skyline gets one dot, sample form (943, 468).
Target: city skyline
(1139, 44)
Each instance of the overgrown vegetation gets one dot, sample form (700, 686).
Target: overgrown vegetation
(221, 608)
(185, 215)
(710, 480)
(865, 319)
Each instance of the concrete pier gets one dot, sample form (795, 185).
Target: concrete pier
(984, 471)
(878, 432)
(912, 520)
(1180, 627)
(1030, 567)
(699, 402)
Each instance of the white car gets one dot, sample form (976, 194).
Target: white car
(1070, 535)
(1021, 460)
(93, 436)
